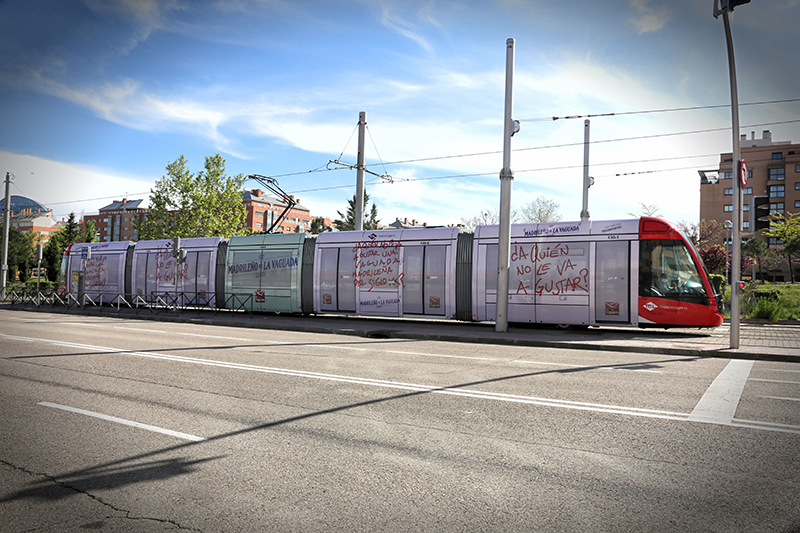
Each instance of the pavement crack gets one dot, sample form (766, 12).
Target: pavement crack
(35, 491)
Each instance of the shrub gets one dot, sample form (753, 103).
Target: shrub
(766, 309)
(718, 282)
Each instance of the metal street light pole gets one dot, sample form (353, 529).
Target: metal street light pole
(6, 224)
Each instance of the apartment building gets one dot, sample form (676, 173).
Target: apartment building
(774, 173)
(115, 222)
(263, 209)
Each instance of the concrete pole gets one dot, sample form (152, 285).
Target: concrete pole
(586, 184)
(506, 177)
(6, 225)
(362, 124)
(736, 238)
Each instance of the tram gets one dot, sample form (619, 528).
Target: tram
(641, 272)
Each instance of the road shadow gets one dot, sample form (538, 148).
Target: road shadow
(104, 477)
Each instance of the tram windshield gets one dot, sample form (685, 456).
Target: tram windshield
(667, 270)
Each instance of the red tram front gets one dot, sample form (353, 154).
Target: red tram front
(674, 288)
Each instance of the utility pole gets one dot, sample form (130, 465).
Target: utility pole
(6, 224)
(359, 215)
(506, 177)
(736, 238)
(586, 183)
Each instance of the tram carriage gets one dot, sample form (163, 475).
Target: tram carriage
(642, 272)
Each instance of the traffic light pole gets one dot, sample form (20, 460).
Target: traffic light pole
(736, 237)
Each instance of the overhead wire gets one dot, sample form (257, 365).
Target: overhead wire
(649, 111)
(546, 147)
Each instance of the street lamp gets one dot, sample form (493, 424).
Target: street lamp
(728, 225)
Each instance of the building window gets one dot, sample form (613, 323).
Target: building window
(776, 191)
(259, 213)
(746, 207)
(777, 173)
(727, 175)
(777, 155)
(778, 207)
(746, 224)
(728, 208)
(797, 186)
(728, 192)
(747, 190)
(258, 224)
(728, 161)
(797, 168)
(797, 203)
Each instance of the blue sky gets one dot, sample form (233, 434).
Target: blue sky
(98, 96)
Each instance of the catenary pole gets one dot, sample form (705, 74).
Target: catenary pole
(586, 184)
(506, 178)
(6, 224)
(359, 221)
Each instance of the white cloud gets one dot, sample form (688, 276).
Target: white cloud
(65, 187)
(648, 18)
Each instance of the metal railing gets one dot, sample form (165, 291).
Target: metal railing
(154, 302)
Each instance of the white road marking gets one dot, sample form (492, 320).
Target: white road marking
(720, 401)
(776, 381)
(779, 398)
(140, 329)
(442, 355)
(123, 421)
(458, 391)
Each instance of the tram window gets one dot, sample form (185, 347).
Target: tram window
(666, 270)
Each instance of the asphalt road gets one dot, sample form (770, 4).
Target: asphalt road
(123, 425)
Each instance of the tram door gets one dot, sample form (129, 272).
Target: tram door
(337, 286)
(424, 280)
(613, 282)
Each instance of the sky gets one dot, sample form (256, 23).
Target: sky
(97, 97)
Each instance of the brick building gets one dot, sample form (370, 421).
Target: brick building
(263, 209)
(115, 221)
(774, 173)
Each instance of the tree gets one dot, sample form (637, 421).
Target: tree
(648, 210)
(714, 258)
(792, 249)
(318, 226)
(347, 222)
(20, 253)
(784, 227)
(541, 210)
(487, 217)
(756, 248)
(205, 204)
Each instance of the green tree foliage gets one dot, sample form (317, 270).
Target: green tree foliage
(756, 248)
(69, 234)
(318, 226)
(205, 204)
(20, 253)
(541, 210)
(346, 222)
(785, 227)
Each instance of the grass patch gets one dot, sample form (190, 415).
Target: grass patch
(770, 301)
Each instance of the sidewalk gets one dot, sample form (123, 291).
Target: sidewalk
(757, 340)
